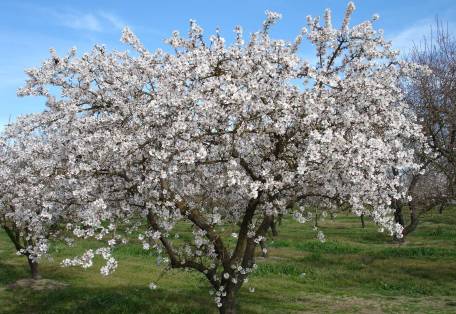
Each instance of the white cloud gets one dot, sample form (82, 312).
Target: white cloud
(413, 35)
(73, 20)
(94, 22)
(113, 19)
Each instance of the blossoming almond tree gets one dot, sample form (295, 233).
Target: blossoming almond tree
(224, 138)
(432, 97)
(31, 173)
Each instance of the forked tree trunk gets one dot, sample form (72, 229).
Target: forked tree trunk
(411, 226)
(228, 303)
(413, 212)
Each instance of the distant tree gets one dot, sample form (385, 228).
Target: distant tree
(433, 98)
(30, 176)
(219, 139)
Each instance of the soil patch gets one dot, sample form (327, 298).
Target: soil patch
(38, 284)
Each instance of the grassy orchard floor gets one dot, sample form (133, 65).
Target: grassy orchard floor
(356, 271)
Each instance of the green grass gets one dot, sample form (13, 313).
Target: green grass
(355, 271)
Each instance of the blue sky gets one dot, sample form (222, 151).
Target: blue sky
(29, 28)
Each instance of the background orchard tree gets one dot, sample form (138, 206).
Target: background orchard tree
(219, 139)
(432, 96)
(31, 175)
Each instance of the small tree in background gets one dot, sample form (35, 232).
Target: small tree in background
(433, 98)
(31, 174)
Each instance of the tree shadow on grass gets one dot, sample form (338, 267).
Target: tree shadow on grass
(132, 299)
(76, 299)
(9, 273)
(79, 299)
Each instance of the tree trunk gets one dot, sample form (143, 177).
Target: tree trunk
(398, 218)
(228, 303)
(362, 221)
(441, 209)
(279, 218)
(413, 221)
(264, 248)
(275, 233)
(33, 268)
(14, 236)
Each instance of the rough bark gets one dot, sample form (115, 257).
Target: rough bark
(413, 221)
(229, 302)
(33, 268)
